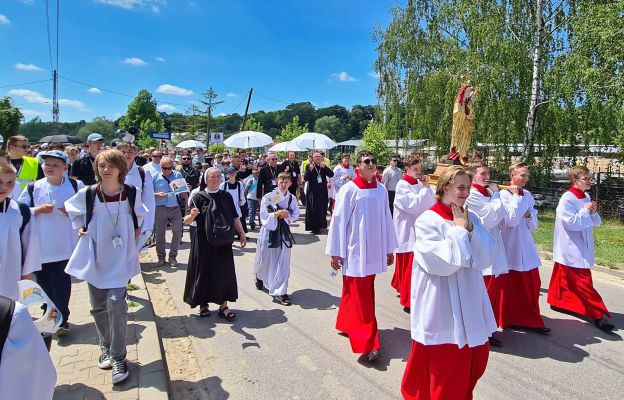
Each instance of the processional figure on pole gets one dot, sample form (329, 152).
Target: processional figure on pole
(463, 118)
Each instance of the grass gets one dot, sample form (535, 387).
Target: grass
(608, 238)
(132, 286)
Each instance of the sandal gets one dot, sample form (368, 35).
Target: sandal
(204, 312)
(229, 316)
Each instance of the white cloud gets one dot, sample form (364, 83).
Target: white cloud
(166, 108)
(160, 59)
(4, 20)
(37, 98)
(27, 67)
(134, 61)
(233, 95)
(152, 5)
(28, 113)
(221, 115)
(373, 74)
(343, 77)
(174, 90)
(72, 103)
(94, 90)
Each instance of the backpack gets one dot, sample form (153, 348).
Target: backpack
(219, 222)
(90, 200)
(31, 189)
(25, 211)
(142, 175)
(7, 307)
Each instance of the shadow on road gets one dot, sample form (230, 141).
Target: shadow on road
(395, 345)
(255, 319)
(207, 388)
(314, 299)
(305, 238)
(78, 390)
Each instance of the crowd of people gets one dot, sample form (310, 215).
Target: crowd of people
(465, 262)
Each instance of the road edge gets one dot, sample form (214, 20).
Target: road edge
(613, 272)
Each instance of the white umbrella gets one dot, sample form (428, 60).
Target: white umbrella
(248, 140)
(287, 146)
(313, 140)
(187, 144)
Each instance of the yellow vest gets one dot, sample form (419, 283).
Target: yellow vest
(28, 172)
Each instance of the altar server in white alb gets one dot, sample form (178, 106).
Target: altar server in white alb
(484, 201)
(343, 173)
(451, 316)
(571, 286)
(26, 369)
(413, 196)
(520, 287)
(362, 242)
(278, 210)
(19, 240)
(106, 255)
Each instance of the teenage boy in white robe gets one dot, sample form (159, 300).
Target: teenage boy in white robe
(19, 252)
(57, 238)
(272, 265)
(571, 286)
(484, 201)
(520, 287)
(362, 242)
(451, 316)
(107, 256)
(412, 197)
(343, 173)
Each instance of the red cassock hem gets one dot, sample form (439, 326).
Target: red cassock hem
(407, 259)
(356, 315)
(492, 285)
(572, 289)
(519, 299)
(396, 277)
(443, 371)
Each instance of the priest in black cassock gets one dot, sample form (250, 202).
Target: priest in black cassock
(210, 277)
(316, 175)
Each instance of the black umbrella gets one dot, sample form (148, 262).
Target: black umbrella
(61, 139)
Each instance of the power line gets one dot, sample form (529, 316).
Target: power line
(236, 108)
(58, 17)
(47, 12)
(25, 83)
(268, 98)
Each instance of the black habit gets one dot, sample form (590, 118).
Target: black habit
(316, 198)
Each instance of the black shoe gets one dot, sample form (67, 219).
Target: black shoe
(120, 371)
(373, 355)
(259, 284)
(541, 331)
(407, 309)
(253, 227)
(63, 329)
(283, 300)
(495, 342)
(604, 325)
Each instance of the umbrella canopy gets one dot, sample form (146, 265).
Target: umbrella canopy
(313, 140)
(61, 139)
(187, 144)
(248, 140)
(287, 146)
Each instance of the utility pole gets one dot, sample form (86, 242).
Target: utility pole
(242, 128)
(55, 107)
(211, 102)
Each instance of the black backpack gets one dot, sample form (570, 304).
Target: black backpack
(131, 190)
(219, 222)
(31, 189)
(7, 307)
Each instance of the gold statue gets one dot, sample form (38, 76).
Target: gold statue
(463, 117)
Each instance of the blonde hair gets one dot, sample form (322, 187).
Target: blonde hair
(472, 168)
(114, 158)
(577, 172)
(284, 175)
(6, 167)
(447, 177)
(69, 149)
(516, 166)
(15, 139)
(125, 145)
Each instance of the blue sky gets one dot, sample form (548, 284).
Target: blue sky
(317, 50)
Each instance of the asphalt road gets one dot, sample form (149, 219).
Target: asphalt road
(278, 352)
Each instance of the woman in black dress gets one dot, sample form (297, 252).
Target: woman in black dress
(210, 276)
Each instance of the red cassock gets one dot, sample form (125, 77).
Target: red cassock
(431, 371)
(405, 260)
(398, 272)
(493, 287)
(572, 289)
(518, 299)
(356, 315)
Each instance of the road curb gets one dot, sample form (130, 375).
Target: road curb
(613, 272)
(153, 382)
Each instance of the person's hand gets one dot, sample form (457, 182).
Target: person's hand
(137, 232)
(243, 239)
(592, 207)
(44, 209)
(389, 259)
(527, 214)
(336, 262)
(63, 211)
(461, 217)
(160, 195)
(514, 189)
(82, 231)
(194, 212)
(493, 187)
(28, 277)
(425, 180)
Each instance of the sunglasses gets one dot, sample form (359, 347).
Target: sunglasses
(156, 156)
(395, 160)
(185, 158)
(166, 168)
(21, 146)
(369, 161)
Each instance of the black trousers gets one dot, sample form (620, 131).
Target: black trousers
(391, 194)
(56, 284)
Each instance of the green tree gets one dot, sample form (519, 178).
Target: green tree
(304, 110)
(10, 117)
(331, 126)
(291, 130)
(253, 125)
(373, 141)
(101, 125)
(216, 148)
(142, 114)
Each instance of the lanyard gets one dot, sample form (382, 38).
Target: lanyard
(115, 223)
(5, 205)
(318, 170)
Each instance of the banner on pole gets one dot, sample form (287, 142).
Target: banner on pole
(160, 135)
(216, 137)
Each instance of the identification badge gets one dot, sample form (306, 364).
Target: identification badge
(319, 179)
(294, 174)
(273, 182)
(117, 242)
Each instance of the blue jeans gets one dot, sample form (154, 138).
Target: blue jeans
(252, 205)
(56, 284)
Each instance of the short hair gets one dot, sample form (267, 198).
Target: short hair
(363, 153)
(577, 172)
(412, 159)
(346, 155)
(447, 177)
(116, 159)
(473, 167)
(17, 138)
(6, 167)
(126, 145)
(516, 165)
(284, 175)
(70, 148)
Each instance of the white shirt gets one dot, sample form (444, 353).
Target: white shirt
(341, 175)
(133, 178)
(409, 202)
(491, 213)
(516, 231)
(361, 230)
(390, 177)
(449, 303)
(574, 237)
(57, 238)
(13, 248)
(237, 194)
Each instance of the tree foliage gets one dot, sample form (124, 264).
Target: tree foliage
(253, 125)
(373, 141)
(101, 125)
(291, 130)
(142, 114)
(10, 117)
(331, 126)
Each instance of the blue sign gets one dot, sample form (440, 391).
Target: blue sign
(160, 135)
